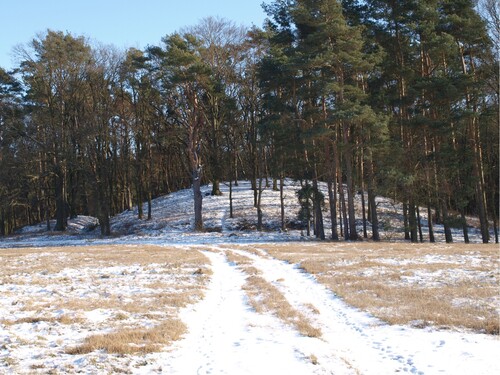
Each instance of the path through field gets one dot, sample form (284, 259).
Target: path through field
(227, 336)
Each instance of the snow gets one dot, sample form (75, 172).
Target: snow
(225, 335)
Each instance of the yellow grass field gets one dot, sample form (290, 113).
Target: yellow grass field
(442, 285)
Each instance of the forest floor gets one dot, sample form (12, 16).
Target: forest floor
(155, 298)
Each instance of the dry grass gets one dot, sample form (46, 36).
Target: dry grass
(313, 359)
(439, 285)
(132, 286)
(252, 249)
(240, 260)
(264, 297)
(132, 340)
(63, 319)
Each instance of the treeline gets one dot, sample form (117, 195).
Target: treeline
(395, 98)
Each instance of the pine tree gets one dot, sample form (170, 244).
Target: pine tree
(326, 54)
(55, 71)
(186, 80)
(13, 169)
(463, 24)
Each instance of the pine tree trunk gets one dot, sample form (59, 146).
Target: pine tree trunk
(372, 205)
(255, 191)
(447, 230)
(308, 225)
(480, 190)
(361, 165)
(318, 214)
(475, 142)
(259, 210)
(412, 219)
(332, 196)
(373, 213)
(313, 215)
(494, 207)
(198, 200)
(235, 169)
(140, 210)
(363, 208)
(149, 205)
(231, 216)
(105, 225)
(481, 209)
(332, 191)
(344, 212)
(464, 226)
(430, 224)
(419, 224)
(352, 234)
(255, 172)
(266, 168)
(216, 188)
(282, 204)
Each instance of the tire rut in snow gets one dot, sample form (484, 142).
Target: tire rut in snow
(346, 331)
(227, 337)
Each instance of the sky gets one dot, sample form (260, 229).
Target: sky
(123, 23)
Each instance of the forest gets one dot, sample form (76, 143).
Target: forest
(393, 98)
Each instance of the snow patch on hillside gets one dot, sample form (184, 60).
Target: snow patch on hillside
(172, 221)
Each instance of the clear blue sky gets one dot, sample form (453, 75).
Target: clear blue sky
(124, 23)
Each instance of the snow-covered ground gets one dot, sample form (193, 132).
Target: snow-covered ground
(229, 338)
(52, 299)
(224, 334)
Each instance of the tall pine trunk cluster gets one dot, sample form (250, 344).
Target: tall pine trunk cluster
(393, 98)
